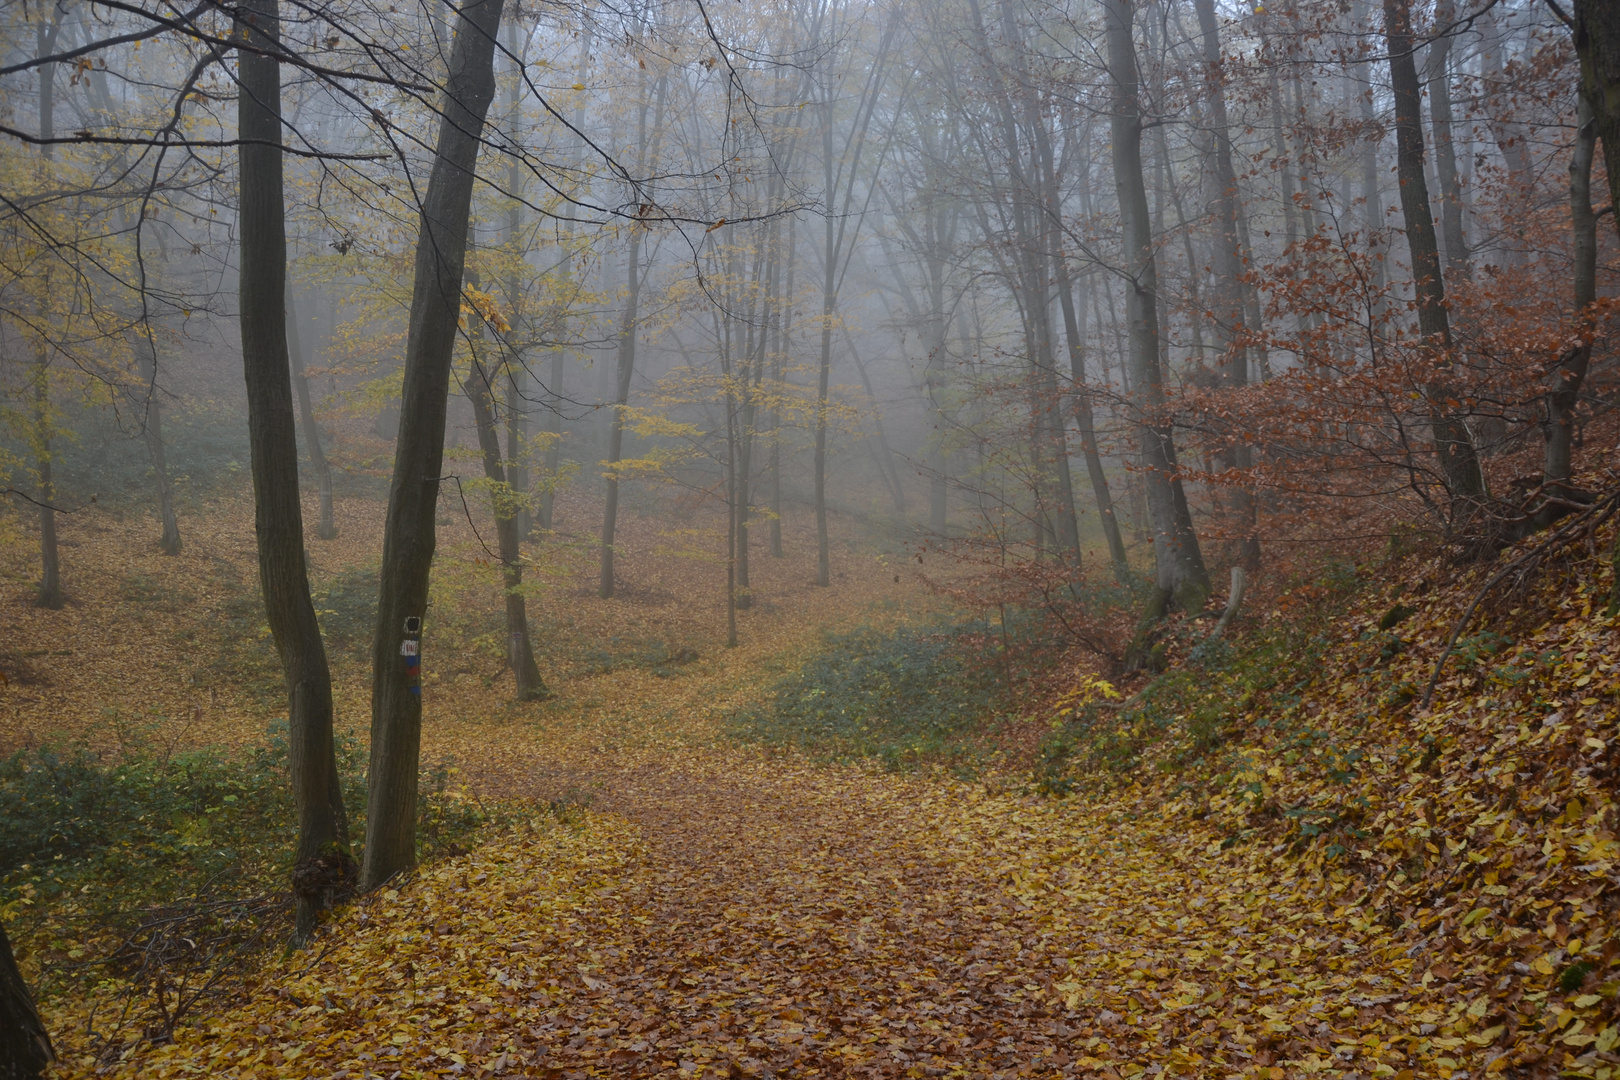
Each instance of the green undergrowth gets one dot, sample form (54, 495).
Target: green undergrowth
(903, 696)
(95, 851)
(1193, 717)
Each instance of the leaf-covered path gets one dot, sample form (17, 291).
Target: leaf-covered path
(720, 914)
(785, 923)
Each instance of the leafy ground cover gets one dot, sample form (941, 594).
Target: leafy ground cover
(1271, 862)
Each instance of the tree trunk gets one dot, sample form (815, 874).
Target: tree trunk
(49, 594)
(409, 532)
(50, 582)
(1230, 327)
(1179, 563)
(152, 429)
(327, 528)
(1459, 464)
(546, 510)
(1372, 198)
(1508, 134)
(504, 501)
(783, 339)
(546, 515)
(25, 1045)
(629, 330)
(1597, 43)
(323, 867)
(829, 305)
(1438, 73)
(517, 370)
(1570, 373)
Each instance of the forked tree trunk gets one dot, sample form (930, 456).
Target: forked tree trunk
(1453, 444)
(323, 867)
(326, 529)
(1180, 573)
(409, 533)
(25, 1045)
(504, 501)
(1597, 43)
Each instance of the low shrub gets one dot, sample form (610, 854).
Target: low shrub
(902, 696)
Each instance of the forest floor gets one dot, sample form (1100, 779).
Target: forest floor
(1354, 888)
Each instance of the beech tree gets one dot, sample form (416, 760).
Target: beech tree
(324, 867)
(1179, 563)
(409, 534)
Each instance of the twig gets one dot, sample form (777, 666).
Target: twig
(47, 506)
(1599, 510)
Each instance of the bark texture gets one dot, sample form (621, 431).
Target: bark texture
(1231, 328)
(1597, 43)
(1453, 444)
(322, 865)
(169, 542)
(506, 499)
(326, 528)
(25, 1045)
(409, 533)
(1179, 564)
(1570, 372)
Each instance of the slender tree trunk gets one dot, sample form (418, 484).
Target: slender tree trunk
(409, 534)
(25, 1045)
(1371, 191)
(547, 510)
(49, 594)
(327, 528)
(1180, 572)
(152, 430)
(1459, 464)
(50, 582)
(756, 340)
(1564, 393)
(1231, 329)
(517, 371)
(323, 867)
(733, 502)
(504, 502)
(829, 306)
(784, 340)
(1508, 134)
(1437, 71)
(629, 330)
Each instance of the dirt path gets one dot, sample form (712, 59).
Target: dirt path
(798, 926)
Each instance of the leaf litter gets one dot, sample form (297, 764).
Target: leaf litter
(1443, 907)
